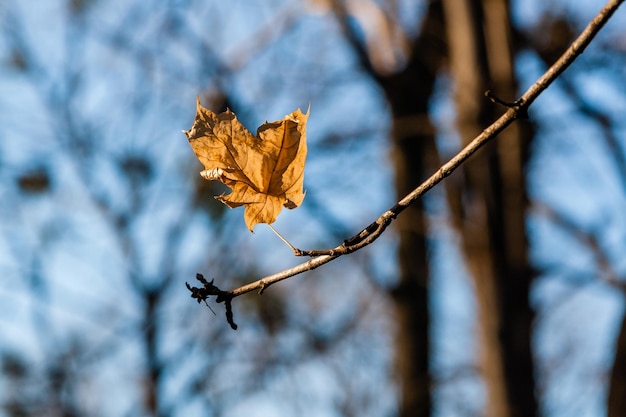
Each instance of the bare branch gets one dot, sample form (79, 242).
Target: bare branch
(517, 109)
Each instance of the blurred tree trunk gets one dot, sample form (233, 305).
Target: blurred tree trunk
(617, 382)
(488, 203)
(487, 199)
(408, 93)
(154, 376)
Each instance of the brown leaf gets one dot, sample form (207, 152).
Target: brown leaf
(265, 172)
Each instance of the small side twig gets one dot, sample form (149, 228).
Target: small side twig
(515, 105)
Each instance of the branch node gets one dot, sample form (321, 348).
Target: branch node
(520, 111)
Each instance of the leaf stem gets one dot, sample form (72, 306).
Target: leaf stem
(295, 250)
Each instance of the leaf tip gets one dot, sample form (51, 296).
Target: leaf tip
(250, 224)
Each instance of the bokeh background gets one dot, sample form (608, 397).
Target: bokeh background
(500, 294)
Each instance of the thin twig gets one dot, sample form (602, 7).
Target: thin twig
(517, 109)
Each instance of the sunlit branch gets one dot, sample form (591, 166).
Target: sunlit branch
(517, 109)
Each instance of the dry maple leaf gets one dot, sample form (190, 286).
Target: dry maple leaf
(265, 172)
